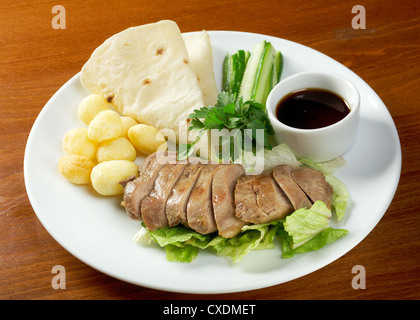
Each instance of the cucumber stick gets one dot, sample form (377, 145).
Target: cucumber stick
(277, 69)
(252, 75)
(233, 70)
(227, 73)
(261, 72)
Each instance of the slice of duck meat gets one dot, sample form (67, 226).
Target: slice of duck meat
(246, 207)
(313, 184)
(258, 199)
(135, 190)
(270, 198)
(224, 182)
(176, 206)
(283, 175)
(200, 215)
(153, 207)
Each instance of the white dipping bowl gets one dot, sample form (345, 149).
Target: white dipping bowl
(324, 143)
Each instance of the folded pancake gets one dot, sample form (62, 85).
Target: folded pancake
(145, 73)
(201, 59)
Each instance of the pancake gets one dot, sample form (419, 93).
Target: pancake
(146, 73)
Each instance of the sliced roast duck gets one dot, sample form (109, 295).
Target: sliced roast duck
(219, 198)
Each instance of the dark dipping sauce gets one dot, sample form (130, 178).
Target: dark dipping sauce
(311, 109)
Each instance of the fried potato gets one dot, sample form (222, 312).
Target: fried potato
(76, 168)
(90, 107)
(106, 176)
(76, 141)
(117, 149)
(127, 123)
(106, 125)
(146, 139)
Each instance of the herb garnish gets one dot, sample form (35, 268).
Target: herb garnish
(231, 113)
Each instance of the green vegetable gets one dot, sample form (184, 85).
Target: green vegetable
(247, 80)
(182, 244)
(308, 230)
(327, 167)
(321, 239)
(185, 253)
(304, 224)
(303, 231)
(231, 113)
(277, 69)
(253, 237)
(233, 71)
(280, 154)
(262, 72)
(340, 196)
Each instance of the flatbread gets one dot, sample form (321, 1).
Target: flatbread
(145, 73)
(201, 57)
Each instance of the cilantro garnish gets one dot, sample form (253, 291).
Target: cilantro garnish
(231, 113)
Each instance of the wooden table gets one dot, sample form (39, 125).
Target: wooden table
(36, 60)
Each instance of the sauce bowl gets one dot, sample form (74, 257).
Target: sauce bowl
(321, 144)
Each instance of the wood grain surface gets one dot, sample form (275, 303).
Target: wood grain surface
(36, 60)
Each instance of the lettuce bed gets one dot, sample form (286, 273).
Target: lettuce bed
(302, 231)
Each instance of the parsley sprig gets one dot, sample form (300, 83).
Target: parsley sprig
(231, 113)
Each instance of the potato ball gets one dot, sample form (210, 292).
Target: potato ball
(106, 176)
(90, 107)
(76, 141)
(76, 168)
(106, 125)
(117, 149)
(146, 139)
(127, 123)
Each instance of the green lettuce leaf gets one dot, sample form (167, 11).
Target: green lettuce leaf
(304, 224)
(327, 167)
(185, 253)
(323, 238)
(308, 230)
(340, 198)
(302, 231)
(177, 236)
(252, 237)
(183, 244)
(280, 154)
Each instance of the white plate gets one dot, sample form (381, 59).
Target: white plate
(97, 231)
